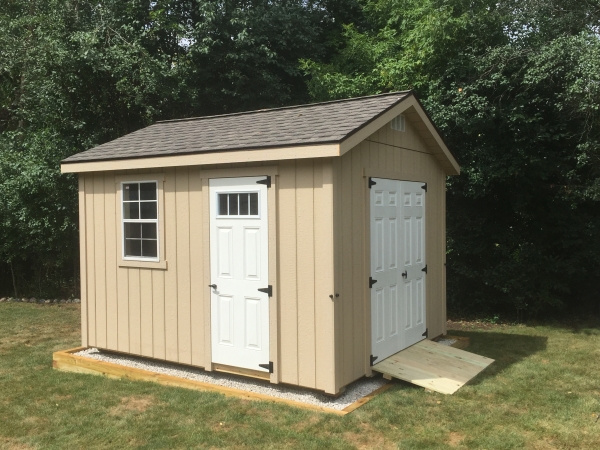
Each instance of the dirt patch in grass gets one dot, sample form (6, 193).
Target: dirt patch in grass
(13, 444)
(226, 427)
(308, 423)
(24, 334)
(543, 444)
(132, 404)
(35, 420)
(455, 439)
(31, 336)
(367, 437)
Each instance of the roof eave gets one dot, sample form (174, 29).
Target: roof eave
(318, 150)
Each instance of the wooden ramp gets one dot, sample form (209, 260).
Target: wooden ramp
(434, 366)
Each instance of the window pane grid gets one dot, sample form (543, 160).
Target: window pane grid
(238, 204)
(140, 220)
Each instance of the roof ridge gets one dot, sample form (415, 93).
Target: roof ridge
(189, 119)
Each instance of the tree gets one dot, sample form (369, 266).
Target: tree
(515, 88)
(75, 74)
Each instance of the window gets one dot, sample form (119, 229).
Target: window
(140, 220)
(398, 123)
(238, 204)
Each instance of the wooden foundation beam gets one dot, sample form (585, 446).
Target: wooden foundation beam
(67, 361)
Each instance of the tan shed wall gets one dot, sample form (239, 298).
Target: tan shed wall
(160, 313)
(386, 154)
(322, 249)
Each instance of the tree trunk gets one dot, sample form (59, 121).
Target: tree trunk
(13, 279)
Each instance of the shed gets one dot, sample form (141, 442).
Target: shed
(298, 244)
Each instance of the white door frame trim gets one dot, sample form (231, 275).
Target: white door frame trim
(274, 331)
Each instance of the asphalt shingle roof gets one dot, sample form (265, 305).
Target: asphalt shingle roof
(318, 123)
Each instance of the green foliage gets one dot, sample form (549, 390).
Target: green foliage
(75, 74)
(515, 86)
(407, 46)
(37, 212)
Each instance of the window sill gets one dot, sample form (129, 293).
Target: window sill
(161, 265)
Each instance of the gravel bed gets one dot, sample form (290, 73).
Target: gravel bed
(446, 341)
(354, 391)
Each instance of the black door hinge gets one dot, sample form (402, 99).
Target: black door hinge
(424, 187)
(266, 181)
(426, 334)
(267, 290)
(424, 269)
(269, 366)
(371, 182)
(371, 282)
(372, 359)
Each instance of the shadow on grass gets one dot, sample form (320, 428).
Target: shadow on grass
(505, 348)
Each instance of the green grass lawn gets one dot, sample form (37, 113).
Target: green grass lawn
(542, 392)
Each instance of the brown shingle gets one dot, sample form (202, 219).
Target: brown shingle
(318, 123)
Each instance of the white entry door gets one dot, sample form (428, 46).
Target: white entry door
(239, 272)
(398, 266)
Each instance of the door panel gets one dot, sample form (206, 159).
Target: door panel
(397, 262)
(379, 245)
(225, 320)
(420, 302)
(393, 244)
(239, 267)
(385, 270)
(406, 243)
(394, 310)
(379, 315)
(252, 253)
(253, 323)
(408, 306)
(419, 250)
(225, 251)
(413, 213)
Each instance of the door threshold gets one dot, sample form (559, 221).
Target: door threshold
(241, 371)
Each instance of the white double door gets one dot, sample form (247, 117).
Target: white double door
(398, 266)
(239, 268)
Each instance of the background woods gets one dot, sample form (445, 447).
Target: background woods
(74, 74)
(514, 86)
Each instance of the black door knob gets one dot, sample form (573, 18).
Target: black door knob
(214, 286)
(404, 274)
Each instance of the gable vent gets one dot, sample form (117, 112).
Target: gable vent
(398, 123)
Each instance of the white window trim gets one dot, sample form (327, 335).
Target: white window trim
(249, 216)
(139, 262)
(124, 221)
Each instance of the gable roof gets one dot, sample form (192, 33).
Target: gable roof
(295, 126)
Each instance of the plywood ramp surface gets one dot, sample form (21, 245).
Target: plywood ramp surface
(434, 366)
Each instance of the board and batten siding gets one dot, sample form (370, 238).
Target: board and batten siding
(385, 154)
(160, 313)
(322, 249)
